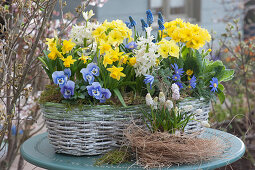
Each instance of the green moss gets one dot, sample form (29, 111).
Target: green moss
(114, 157)
(51, 94)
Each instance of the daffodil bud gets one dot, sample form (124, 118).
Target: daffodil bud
(162, 98)
(149, 100)
(205, 124)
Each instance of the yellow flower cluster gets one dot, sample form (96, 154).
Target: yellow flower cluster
(167, 48)
(194, 36)
(112, 33)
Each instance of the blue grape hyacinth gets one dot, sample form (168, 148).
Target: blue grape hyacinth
(149, 17)
(149, 79)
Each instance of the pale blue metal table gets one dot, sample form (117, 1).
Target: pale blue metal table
(38, 151)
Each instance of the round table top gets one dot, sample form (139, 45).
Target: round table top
(38, 151)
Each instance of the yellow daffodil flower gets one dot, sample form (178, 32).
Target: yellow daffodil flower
(84, 58)
(67, 46)
(104, 47)
(54, 54)
(107, 60)
(51, 43)
(132, 61)
(115, 37)
(116, 72)
(68, 61)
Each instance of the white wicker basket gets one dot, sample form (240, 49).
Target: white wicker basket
(91, 130)
(195, 126)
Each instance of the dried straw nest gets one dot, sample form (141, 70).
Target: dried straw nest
(164, 149)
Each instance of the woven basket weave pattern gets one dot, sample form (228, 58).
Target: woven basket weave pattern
(195, 126)
(90, 130)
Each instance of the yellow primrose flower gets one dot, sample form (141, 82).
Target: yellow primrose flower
(99, 31)
(104, 47)
(164, 50)
(132, 61)
(115, 37)
(68, 61)
(107, 60)
(84, 58)
(54, 54)
(174, 49)
(67, 46)
(51, 43)
(189, 72)
(116, 72)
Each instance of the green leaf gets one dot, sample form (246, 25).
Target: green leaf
(43, 62)
(81, 96)
(221, 96)
(118, 94)
(83, 87)
(221, 87)
(227, 75)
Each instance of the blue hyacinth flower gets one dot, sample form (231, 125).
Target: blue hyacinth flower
(149, 79)
(177, 70)
(160, 25)
(132, 45)
(149, 17)
(87, 75)
(128, 24)
(59, 78)
(214, 84)
(144, 24)
(93, 69)
(106, 94)
(68, 89)
(95, 90)
(67, 72)
(179, 84)
(160, 17)
(176, 77)
(132, 21)
(193, 82)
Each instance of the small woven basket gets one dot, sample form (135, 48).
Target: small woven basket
(90, 130)
(195, 125)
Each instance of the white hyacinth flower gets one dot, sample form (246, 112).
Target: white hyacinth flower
(187, 108)
(175, 90)
(205, 124)
(87, 15)
(162, 98)
(155, 102)
(149, 100)
(169, 105)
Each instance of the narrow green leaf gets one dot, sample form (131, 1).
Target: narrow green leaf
(118, 94)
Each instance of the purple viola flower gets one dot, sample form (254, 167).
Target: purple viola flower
(149, 79)
(144, 24)
(68, 89)
(177, 70)
(132, 21)
(179, 84)
(93, 69)
(67, 72)
(59, 78)
(132, 45)
(87, 75)
(214, 84)
(193, 82)
(149, 17)
(106, 94)
(95, 90)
